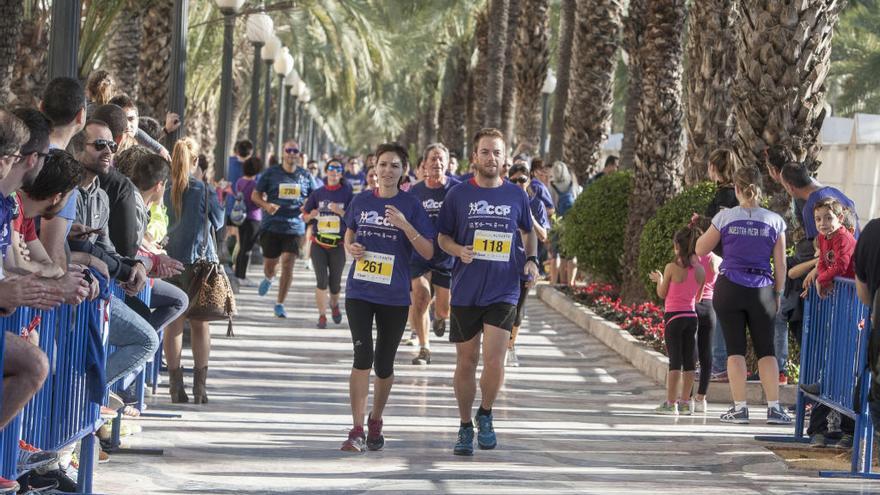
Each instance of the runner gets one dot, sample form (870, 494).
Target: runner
(437, 272)
(281, 192)
(477, 225)
(354, 176)
(384, 226)
(324, 211)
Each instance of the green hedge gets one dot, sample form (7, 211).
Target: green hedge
(593, 229)
(655, 245)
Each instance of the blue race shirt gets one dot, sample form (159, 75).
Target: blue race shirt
(542, 193)
(233, 173)
(289, 190)
(748, 236)
(432, 200)
(489, 219)
(357, 181)
(327, 221)
(810, 230)
(540, 215)
(383, 276)
(7, 208)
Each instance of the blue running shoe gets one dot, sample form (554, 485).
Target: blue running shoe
(776, 415)
(279, 311)
(264, 287)
(465, 443)
(486, 436)
(740, 417)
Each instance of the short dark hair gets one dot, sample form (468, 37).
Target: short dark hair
(127, 160)
(59, 174)
(518, 169)
(490, 132)
(244, 147)
(149, 170)
(203, 162)
(611, 161)
(311, 162)
(398, 150)
(151, 126)
(78, 141)
(114, 116)
(796, 175)
(39, 126)
(779, 155)
(252, 166)
(13, 133)
(122, 101)
(63, 98)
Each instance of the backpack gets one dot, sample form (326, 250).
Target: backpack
(239, 211)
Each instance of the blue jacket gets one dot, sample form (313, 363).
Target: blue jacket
(186, 235)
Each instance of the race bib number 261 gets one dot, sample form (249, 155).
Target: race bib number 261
(375, 267)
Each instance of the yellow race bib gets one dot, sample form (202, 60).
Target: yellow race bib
(289, 191)
(328, 224)
(375, 267)
(492, 246)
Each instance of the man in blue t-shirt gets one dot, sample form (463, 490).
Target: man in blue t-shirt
(477, 225)
(355, 177)
(281, 192)
(796, 180)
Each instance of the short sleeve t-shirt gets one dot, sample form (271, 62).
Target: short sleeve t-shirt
(489, 220)
(432, 201)
(357, 181)
(867, 256)
(810, 229)
(289, 191)
(382, 276)
(7, 208)
(542, 193)
(23, 225)
(748, 236)
(327, 222)
(245, 187)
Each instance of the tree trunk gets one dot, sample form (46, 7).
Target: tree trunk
(563, 71)
(453, 106)
(591, 90)
(508, 97)
(154, 68)
(633, 35)
(659, 146)
(711, 68)
(532, 57)
(428, 132)
(123, 53)
(478, 76)
(499, 10)
(11, 13)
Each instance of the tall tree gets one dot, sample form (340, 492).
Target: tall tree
(123, 53)
(11, 17)
(563, 74)
(478, 75)
(453, 105)
(532, 56)
(428, 131)
(857, 59)
(711, 50)
(154, 67)
(591, 88)
(633, 36)
(498, 14)
(508, 97)
(659, 146)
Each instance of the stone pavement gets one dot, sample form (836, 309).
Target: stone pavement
(574, 418)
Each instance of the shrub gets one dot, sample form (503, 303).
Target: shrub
(656, 241)
(593, 229)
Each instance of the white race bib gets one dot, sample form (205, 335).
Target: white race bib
(375, 267)
(289, 191)
(492, 246)
(328, 224)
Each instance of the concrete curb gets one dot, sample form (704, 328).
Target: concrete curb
(651, 363)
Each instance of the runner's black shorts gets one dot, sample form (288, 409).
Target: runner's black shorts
(466, 322)
(439, 276)
(274, 244)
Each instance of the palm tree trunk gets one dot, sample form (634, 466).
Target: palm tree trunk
(499, 11)
(477, 88)
(633, 34)
(154, 67)
(563, 72)
(659, 146)
(591, 90)
(711, 68)
(532, 57)
(11, 13)
(453, 106)
(428, 132)
(124, 51)
(508, 97)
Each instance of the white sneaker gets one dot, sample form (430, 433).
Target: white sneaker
(246, 282)
(510, 359)
(699, 406)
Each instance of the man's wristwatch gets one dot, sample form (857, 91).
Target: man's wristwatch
(533, 259)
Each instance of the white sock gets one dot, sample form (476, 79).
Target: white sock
(427, 346)
(772, 403)
(740, 405)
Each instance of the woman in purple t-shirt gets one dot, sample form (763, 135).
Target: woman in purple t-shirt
(748, 290)
(249, 230)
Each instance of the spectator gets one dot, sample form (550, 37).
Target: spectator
(248, 231)
(100, 87)
(867, 270)
(315, 171)
(611, 166)
(796, 180)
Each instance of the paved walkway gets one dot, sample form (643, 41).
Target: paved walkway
(574, 418)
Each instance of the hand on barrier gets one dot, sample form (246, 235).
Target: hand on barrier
(137, 281)
(73, 285)
(28, 290)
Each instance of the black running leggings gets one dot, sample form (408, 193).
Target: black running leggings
(705, 329)
(739, 307)
(680, 336)
(328, 264)
(390, 323)
(248, 232)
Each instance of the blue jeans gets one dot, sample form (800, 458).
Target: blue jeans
(780, 343)
(168, 303)
(134, 338)
(719, 350)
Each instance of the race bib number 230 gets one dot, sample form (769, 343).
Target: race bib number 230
(375, 267)
(492, 246)
(289, 191)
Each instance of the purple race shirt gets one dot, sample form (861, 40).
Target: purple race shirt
(245, 187)
(328, 222)
(382, 276)
(489, 219)
(748, 236)
(432, 200)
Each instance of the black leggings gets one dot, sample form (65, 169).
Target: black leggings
(390, 323)
(705, 329)
(739, 307)
(328, 264)
(247, 236)
(680, 336)
(521, 303)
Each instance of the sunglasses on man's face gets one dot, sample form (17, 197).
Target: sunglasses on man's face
(291, 151)
(100, 144)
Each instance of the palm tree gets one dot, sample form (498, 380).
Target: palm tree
(532, 56)
(155, 53)
(453, 105)
(11, 14)
(563, 73)
(508, 97)
(633, 35)
(711, 51)
(123, 51)
(498, 14)
(479, 73)
(659, 146)
(591, 86)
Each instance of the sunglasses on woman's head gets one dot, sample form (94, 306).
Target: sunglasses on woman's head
(291, 151)
(100, 144)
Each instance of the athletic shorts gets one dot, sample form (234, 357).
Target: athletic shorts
(466, 322)
(439, 276)
(274, 244)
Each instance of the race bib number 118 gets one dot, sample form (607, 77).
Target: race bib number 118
(492, 246)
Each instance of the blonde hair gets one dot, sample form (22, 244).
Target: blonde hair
(726, 164)
(100, 87)
(748, 181)
(186, 151)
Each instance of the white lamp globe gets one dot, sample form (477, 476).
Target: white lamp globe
(259, 27)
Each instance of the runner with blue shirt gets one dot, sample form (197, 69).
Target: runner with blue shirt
(477, 225)
(384, 227)
(355, 176)
(281, 192)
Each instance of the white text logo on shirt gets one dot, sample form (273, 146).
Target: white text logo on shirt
(484, 208)
(373, 218)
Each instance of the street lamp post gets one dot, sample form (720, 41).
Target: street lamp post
(292, 114)
(547, 90)
(64, 39)
(177, 73)
(224, 125)
(259, 28)
(268, 53)
(283, 66)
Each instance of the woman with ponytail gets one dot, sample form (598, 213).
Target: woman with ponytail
(190, 204)
(748, 290)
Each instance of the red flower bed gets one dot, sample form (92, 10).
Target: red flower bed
(644, 321)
